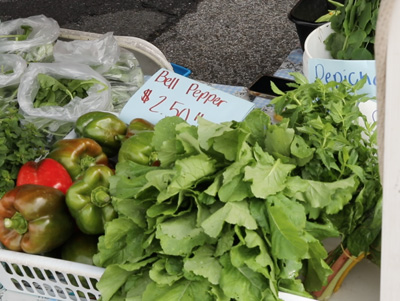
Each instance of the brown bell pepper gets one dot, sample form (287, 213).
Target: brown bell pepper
(34, 219)
(76, 155)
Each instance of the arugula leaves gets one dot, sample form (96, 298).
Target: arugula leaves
(59, 92)
(238, 210)
(328, 119)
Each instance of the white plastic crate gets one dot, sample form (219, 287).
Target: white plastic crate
(48, 277)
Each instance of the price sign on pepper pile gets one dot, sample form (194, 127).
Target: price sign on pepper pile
(167, 93)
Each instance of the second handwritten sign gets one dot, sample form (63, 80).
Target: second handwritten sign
(167, 93)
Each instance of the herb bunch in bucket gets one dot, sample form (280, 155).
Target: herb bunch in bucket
(354, 27)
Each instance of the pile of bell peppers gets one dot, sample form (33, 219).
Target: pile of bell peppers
(61, 202)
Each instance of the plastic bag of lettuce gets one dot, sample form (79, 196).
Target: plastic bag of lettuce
(32, 38)
(239, 210)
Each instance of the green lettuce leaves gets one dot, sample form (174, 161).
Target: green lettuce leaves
(239, 210)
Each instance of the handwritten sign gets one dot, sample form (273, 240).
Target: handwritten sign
(328, 70)
(167, 93)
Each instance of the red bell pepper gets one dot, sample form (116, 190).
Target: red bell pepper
(46, 172)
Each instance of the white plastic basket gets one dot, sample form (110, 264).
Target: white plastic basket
(48, 277)
(56, 279)
(151, 59)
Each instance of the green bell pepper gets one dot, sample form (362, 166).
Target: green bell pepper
(89, 201)
(138, 148)
(103, 127)
(80, 248)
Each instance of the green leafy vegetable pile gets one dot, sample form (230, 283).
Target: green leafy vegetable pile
(354, 26)
(238, 210)
(328, 119)
(19, 142)
(59, 92)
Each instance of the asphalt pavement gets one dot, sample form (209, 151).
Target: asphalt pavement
(228, 42)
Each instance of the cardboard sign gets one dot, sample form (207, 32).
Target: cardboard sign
(338, 70)
(167, 93)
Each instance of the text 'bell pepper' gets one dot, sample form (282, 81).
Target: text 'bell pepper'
(89, 201)
(47, 172)
(103, 127)
(76, 155)
(138, 148)
(138, 125)
(34, 219)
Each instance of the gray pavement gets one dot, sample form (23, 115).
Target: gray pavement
(222, 41)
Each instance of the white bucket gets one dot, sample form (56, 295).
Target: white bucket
(314, 46)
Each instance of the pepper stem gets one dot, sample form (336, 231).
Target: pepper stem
(100, 197)
(17, 222)
(86, 162)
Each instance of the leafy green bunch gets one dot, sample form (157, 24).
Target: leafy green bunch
(344, 145)
(19, 142)
(239, 210)
(354, 27)
(59, 92)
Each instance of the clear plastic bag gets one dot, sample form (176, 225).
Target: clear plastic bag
(53, 117)
(37, 45)
(12, 67)
(118, 65)
(100, 54)
(125, 77)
